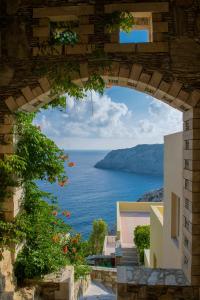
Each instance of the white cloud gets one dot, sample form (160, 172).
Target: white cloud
(99, 122)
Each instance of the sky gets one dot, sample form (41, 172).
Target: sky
(121, 118)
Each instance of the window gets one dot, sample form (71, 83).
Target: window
(141, 31)
(135, 36)
(175, 216)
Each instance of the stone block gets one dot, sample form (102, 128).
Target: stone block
(191, 134)
(84, 71)
(28, 108)
(136, 71)
(192, 113)
(6, 129)
(162, 90)
(42, 31)
(114, 69)
(83, 20)
(44, 83)
(116, 47)
(27, 93)
(20, 101)
(78, 49)
(9, 119)
(124, 73)
(155, 47)
(86, 29)
(37, 91)
(160, 26)
(59, 11)
(138, 7)
(114, 37)
(11, 104)
(194, 98)
(84, 38)
(155, 80)
(143, 81)
(44, 22)
(181, 99)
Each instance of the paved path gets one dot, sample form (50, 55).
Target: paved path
(97, 291)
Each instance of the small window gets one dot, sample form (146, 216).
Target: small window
(141, 30)
(135, 36)
(175, 216)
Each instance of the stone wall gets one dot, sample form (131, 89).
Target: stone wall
(157, 284)
(55, 286)
(81, 286)
(107, 276)
(7, 282)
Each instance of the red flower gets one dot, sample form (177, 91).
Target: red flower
(63, 182)
(65, 249)
(55, 213)
(71, 164)
(66, 213)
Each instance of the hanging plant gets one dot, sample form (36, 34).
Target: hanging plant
(65, 37)
(64, 33)
(119, 20)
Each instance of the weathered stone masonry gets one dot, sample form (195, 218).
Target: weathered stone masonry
(167, 68)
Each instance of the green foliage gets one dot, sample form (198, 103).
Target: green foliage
(65, 37)
(45, 236)
(95, 82)
(41, 155)
(142, 239)
(62, 85)
(119, 20)
(96, 239)
(49, 242)
(81, 271)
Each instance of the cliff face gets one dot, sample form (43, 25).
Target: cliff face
(141, 159)
(152, 196)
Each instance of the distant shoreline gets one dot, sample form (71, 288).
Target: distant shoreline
(152, 196)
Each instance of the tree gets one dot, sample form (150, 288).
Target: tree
(96, 240)
(142, 239)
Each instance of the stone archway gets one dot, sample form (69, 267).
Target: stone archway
(31, 99)
(166, 68)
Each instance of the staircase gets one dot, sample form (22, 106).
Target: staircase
(98, 291)
(129, 257)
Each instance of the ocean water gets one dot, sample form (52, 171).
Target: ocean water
(92, 193)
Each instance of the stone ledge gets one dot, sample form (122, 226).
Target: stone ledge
(148, 276)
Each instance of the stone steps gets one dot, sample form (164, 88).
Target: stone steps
(129, 257)
(98, 291)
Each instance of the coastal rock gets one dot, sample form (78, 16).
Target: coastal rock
(141, 159)
(152, 196)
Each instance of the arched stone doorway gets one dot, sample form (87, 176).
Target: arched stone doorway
(166, 68)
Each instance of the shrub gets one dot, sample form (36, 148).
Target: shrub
(96, 239)
(142, 239)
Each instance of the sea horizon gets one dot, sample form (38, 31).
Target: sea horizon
(92, 193)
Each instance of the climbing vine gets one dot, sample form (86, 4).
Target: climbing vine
(119, 20)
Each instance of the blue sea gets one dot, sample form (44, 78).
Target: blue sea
(92, 193)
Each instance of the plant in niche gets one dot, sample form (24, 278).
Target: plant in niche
(119, 20)
(63, 33)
